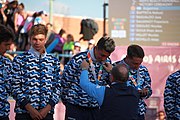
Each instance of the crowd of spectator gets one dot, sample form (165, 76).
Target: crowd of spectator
(14, 16)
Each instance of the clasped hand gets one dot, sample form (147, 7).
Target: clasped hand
(38, 115)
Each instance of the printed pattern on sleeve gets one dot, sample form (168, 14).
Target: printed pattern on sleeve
(172, 96)
(5, 87)
(71, 90)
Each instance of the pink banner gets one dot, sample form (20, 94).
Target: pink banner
(161, 62)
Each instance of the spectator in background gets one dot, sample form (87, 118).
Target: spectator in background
(161, 115)
(138, 76)
(49, 27)
(20, 16)
(62, 38)
(91, 44)
(11, 49)
(36, 18)
(23, 36)
(2, 14)
(39, 19)
(50, 33)
(77, 47)
(79, 105)
(62, 34)
(8, 14)
(36, 79)
(118, 101)
(6, 38)
(172, 96)
(68, 49)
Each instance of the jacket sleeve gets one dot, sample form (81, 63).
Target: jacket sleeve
(56, 84)
(70, 75)
(93, 90)
(8, 77)
(147, 83)
(17, 88)
(169, 97)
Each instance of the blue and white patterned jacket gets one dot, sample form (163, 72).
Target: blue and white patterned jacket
(5, 87)
(172, 96)
(144, 82)
(71, 90)
(36, 80)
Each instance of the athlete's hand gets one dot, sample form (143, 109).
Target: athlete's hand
(35, 115)
(45, 111)
(108, 67)
(85, 65)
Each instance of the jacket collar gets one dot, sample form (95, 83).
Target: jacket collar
(92, 54)
(36, 53)
(119, 85)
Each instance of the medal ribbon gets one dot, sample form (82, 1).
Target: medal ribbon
(93, 69)
(134, 81)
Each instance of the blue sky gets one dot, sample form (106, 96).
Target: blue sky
(85, 8)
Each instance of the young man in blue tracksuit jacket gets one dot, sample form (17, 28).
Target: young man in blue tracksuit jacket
(36, 79)
(79, 105)
(139, 76)
(172, 96)
(6, 38)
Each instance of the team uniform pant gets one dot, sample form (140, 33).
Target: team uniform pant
(26, 116)
(4, 118)
(74, 112)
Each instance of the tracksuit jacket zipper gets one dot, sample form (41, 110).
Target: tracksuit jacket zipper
(40, 79)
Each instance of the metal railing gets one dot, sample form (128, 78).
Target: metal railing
(54, 54)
